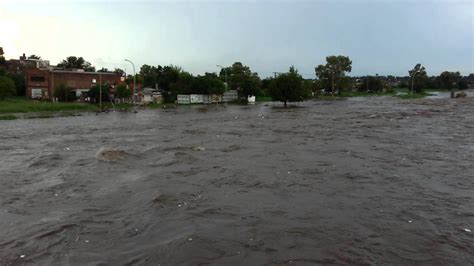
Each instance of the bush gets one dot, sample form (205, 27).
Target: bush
(123, 91)
(64, 94)
(94, 93)
(462, 85)
(7, 87)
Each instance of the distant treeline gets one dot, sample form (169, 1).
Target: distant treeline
(330, 78)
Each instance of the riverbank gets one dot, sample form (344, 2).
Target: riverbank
(21, 105)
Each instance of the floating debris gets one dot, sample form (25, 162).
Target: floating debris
(109, 155)
(467, 230)
(22, 256)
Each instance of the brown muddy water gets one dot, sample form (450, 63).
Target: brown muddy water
(360, 181)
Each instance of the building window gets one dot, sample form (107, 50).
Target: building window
(37, 79)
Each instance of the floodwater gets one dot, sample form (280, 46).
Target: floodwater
(359, 181)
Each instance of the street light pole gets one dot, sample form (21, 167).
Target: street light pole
(134, 80)
(225, 72)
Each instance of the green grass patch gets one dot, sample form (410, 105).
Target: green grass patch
(263, 99)
(21, 105)
(8, 117)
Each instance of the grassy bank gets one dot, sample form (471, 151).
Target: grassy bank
(263, 99)
(7, 117)
(21, 105)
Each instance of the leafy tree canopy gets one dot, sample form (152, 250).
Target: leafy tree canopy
(448, 80)
(371, 84)
(33, 56)
(419, 79)
(332, 73)
(76, 62)
(241, 78)
(123, 91)
(288, 87)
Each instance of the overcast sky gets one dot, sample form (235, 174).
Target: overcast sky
(384, 37)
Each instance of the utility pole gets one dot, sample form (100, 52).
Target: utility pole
(100, 92)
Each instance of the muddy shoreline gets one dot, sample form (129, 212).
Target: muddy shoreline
(361, 181)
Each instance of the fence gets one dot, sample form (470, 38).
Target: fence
(230, 96)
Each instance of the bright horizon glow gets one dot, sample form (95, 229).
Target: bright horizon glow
(384, 37)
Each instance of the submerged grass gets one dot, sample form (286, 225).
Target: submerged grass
(364, 94)
(414, 96)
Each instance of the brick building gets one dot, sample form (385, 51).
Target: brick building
(41, 83)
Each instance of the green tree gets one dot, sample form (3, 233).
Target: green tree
(311, 87)
(7, 87)
(167, 77)
(119, 71)
(104, 69)
(209, 83)
(64, 94)
(95, 92)
(447, 80)
(371, 84)
(149, 74)
(288, 87)
(266, 82)
(183, 85)
(241, 78)
(462, 85)
(418, 78)
(123, 92)
(33, 56)
(76, 62)
(334, 71)
(2, 59)
(19, 80)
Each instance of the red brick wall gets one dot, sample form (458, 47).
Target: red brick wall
(78, 80)
(31, 83)
(74, 80)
